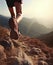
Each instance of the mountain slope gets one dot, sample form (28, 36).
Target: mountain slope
(24, 51)
(4, 21)
(47, 38)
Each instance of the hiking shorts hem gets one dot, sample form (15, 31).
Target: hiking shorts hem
(10, 3)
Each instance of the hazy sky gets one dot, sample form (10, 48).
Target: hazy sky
(42, 10)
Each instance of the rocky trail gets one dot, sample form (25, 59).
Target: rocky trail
(24, 51)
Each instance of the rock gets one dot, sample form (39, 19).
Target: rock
(35, 51)
(5, 44)
(3, 63)
(22, 57)
(1, 48)
(2, 56)
(27, 60)
(2, 53)
(14, 61)
(42, 62)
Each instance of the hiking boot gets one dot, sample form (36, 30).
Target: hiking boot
(14, 28)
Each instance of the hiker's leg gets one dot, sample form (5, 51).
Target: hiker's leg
(18, 7)
(10, 4)
(13, 25)
(12, 12)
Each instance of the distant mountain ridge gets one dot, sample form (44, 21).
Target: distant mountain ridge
(29, 27)
(32, 28)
